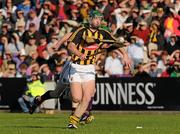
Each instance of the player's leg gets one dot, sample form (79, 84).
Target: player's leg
(90, 117)
(76, 93)
(88, 90)
(87, 117)
(74, 106)
(51, 94)
(85, 77)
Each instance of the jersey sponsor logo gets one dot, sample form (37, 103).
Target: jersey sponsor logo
(91, 47)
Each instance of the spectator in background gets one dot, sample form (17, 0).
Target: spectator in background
(32, 57)
(6, 59)
(2, 48)
(126, 72)
(147, 16)
(155, 36)
(126, 32)
(177, 6)
(46, 73)
(141, 73)
(163, 61)
(105, 9)
(33, 67)
(142, 31)
(10, 19)
(176, 55)
(2, 18)
(176, 22)
(154, 4)
(15, 46)
(174, 58)
(33, 19)
(20, 30)
(45, 20)
(160, 18)
(113, 64)
(25, 6)
(166, 4)
(46, 59)
(5, 31)
(10, 71)
(9, 7)
(168, 71)
(42, 46)
(154, 71)
(35, 88)
(22, 71)
(135, 17)
(170, 25)
(86, 5)
(145, 5)
(135, 50)
(20, 19)
(176, 71)
(31, 46)
(74, 13)
(153, 54)
(61, 10)
(173, 44)
(121, 14)
(128, 4)
(30, 32)
(20, 59)
(49, 5)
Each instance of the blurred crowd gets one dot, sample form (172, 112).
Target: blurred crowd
(30, 30)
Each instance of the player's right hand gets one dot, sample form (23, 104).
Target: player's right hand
(82, 57)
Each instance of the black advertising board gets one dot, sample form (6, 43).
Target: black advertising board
(137, 94)
(10, 90)
(134, 94)
(111, 94)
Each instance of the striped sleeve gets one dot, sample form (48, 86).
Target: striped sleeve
(76, 36)
(107, 35)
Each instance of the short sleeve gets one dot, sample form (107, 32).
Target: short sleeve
(76, 36)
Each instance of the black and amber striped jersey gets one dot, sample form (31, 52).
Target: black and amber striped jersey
(88, 49)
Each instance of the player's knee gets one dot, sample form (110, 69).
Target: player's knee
(76, 100)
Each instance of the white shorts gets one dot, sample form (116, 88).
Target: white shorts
(81, 73)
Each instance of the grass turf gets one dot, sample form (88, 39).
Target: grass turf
(104, 123)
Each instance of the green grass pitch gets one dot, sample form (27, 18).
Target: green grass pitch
(104, 123)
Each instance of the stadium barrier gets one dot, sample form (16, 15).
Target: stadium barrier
(10, 90)
(135, 94)
(111, 94)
